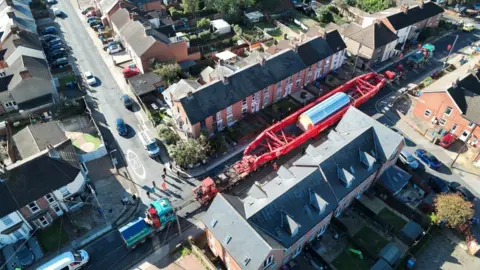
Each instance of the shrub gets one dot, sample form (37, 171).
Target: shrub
(175, 12)
(193, 37)
(167, 135)
(333, 9)
(203, 23)
(205, 35)
(227, 42)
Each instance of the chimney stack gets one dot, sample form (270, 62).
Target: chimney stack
(262, 61)
(14, 28)
(9, 3)
(133, 15)
(10, 13)
(190, 95)
(404, 8)
(421, 4)
(225, 80)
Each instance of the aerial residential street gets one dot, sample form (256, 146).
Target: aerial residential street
(109, 252)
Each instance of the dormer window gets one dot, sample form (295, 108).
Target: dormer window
(213, 223)
(345, 176)
(227, 239)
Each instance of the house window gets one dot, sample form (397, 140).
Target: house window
(18, 234)
(448, 111)
(10, 104)
(229, 119)
(297, 251)
(268, 262)
(279, 91)
(64, 191)
(322, 230)
(43, 222)
(442, 122)
(244, 102)
(297, 85)
(290, 80)
(309, 68)
(359, 195)
(57, 209)
(7, 221)
(338, 211)
(266, 97)
(50, 198)
(33, 206)
(427, 113)
(471, 125)
(203, 124)
(219, 116)
(229, 109)
(454, 128)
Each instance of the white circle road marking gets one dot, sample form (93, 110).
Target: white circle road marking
(136, 164)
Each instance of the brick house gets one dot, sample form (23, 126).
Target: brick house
(28, 203)
(109, 7)
(373, 44)
(144, 44)
(272, 224)
(248, 89)
(409, 22)
(452, 104)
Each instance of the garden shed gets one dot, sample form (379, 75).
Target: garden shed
(220, 27)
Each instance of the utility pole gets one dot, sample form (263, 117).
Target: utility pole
(464, 145)
(98, 203)
(451, 49)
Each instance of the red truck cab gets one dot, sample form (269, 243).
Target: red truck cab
(447, 140)
(130, 71)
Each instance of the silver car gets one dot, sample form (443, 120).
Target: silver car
(408, 159)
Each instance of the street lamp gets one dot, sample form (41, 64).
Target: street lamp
(451, 49)
(99, 206)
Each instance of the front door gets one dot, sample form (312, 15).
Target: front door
(464, 135)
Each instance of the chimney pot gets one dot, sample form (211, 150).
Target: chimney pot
(14, 28)
(421, 3)
(263, 61)
(225, 80)
(9, 3)
(190, 94)
(52, 152)
(405, 8)
(11, 14)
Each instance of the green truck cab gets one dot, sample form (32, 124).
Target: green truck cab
(157, 217)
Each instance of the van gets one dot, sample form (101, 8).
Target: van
(67, 261)
(149, 143)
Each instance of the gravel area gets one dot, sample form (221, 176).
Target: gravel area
(442, 253)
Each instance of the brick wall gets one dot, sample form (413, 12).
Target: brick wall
(435, 105)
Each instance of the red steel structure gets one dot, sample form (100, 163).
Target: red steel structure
(276, 142)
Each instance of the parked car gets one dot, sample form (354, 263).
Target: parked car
(54, 42)
(91, 13)
(57, 12)
(130, 71)
(438, 185)
(51, 2)
(98, 27)
(90, 78)
(109, 43)
(465, 193)
(408, 159)
(56, 47)
(431, 161)
(57, 53)
(447, 140)
(59, 62)
(468, 27)
(115, 48)
(121, 127)
(94, 22)
(127, 101)
(48, 37)
(23, 253)
(87, 9)
(48, 30)
(94, 18)
(453, 185)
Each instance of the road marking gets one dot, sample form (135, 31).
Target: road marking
(136, 164)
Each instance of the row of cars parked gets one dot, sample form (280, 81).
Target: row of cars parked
(54, 47)
(95, 22)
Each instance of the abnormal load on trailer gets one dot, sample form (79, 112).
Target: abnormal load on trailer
(321, 111)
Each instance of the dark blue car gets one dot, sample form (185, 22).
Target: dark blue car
(121, 127)
(438, 185)
(428, 159)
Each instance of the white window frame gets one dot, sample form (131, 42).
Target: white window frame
(268, 262)
(447, 109)
(65, 192)
(219, 116)
(229, 109)
(279, 91)
(4, 221)
(230, 119)
(442, 120)
(266, 97)
(471, 125)
(297, 251)
(50, 199)
(45, 221)
(454, 128)
(322, 230)
(427, 113)
(31, 208)
(338, 211)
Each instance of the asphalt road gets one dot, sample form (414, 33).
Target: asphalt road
(105, 97)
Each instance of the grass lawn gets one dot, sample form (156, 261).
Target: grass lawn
(307, 21)
(243, 128)
(53, 237)
(87, 138)
(370, 240)
(253, 35)
(390, 218)
(66, 79)
(294, 27)
(264, 25)
(348, 260)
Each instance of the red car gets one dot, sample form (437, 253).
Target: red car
(91, 13)
(130, 71)
(447, 140)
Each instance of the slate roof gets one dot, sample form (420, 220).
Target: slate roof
(23, 38)
(33, 89)
(36, 67)
(245, 241)
(32, 178)
(374, 36)
(216, 96)
(335, 41)
(394, 179)
(314, 51)
(120, 18)
(290, 204)
(7, 200)
(145, 83)
(35, 138)
(140, 38)
(416, 14)
(467, 97)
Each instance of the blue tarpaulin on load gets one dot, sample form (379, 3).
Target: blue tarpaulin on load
(327, 107)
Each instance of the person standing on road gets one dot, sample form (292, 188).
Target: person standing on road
(275, 167)
(164, 170)
(154, 185)
(164, 177)
(171, 167)
(164, 186)
(148, 194)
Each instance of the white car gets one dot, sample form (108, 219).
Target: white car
(51, 2)
(57, 12)
(90, 78)
(114, 49)
(407, 159)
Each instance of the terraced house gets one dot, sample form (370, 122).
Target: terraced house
(248, 89)
(273, 222)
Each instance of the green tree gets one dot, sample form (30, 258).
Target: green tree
(218, 144)
(190, 6)
(203, 23)
(372, 6)
(324, 15)
(187, 152)
(453, 210)
(231, 8)
(169, 72)
(167, 135)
